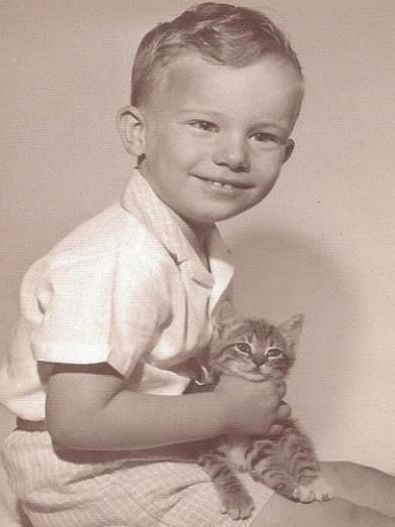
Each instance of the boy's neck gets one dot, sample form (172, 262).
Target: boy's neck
(197, 236)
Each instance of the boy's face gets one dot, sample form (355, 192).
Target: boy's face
(214, 137)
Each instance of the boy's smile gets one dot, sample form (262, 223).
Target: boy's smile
(213, 138)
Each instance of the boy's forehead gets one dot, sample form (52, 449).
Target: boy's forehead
(193, 67)
(191, 79)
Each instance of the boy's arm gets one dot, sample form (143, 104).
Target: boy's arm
(88, 408)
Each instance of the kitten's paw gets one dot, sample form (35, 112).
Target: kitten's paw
(238, 505)
(321, 489)
(303, 494)
(316, 490)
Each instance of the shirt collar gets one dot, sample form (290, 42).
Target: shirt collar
(140, 200)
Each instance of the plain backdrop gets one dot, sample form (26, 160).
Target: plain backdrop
(321, 243)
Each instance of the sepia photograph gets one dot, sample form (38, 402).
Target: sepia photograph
(197, 294)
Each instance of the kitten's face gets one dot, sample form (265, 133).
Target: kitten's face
(253, 349)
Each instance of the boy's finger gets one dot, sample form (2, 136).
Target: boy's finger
(283, 412)
(281, 389)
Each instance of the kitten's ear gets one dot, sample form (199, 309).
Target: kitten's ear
(292, 328)
(226, 315)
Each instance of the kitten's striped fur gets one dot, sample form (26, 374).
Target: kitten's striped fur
(285, 459)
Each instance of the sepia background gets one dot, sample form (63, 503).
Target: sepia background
(321, 243)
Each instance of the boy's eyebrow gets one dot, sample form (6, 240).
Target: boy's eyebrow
(200, 110)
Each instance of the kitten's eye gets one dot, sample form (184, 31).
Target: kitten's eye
(274, 353)
(243, 347)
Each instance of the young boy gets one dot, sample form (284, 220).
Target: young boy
(111, 315)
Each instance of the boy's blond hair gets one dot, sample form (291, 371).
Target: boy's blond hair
(220, 33)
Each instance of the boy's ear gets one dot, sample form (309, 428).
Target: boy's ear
(289, 148)
(131, 129)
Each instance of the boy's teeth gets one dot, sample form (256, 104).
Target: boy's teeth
(220, 185)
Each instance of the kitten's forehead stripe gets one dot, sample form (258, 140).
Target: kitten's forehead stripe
(241, 330)
(261, 329)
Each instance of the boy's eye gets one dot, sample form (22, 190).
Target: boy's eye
(267, 139)
(243, 347)
(205, 126)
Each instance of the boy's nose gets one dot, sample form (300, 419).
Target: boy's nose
(232, 152)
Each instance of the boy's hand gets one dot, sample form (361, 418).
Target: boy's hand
(251, 407)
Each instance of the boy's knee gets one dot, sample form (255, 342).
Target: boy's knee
(343, 473)
(354, 515)
(342, 513)
(341, 466)
(348, 514)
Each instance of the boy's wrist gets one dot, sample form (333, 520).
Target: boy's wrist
(222, 416)
(209, 409)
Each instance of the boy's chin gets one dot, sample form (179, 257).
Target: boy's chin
(208, 220)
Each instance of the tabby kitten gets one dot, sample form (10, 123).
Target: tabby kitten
(284, 459)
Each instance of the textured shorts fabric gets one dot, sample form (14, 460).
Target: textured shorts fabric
(98, 490)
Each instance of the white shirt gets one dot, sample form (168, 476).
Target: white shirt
(125, 288)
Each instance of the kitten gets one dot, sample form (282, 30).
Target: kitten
(284, 459)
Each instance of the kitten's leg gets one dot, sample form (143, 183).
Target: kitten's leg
(287, 464)
(264, 465)
(234, 497)
(301, 461)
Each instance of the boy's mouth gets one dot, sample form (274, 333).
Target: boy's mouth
(218, 184)
(222, 184)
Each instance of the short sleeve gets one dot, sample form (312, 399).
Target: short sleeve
(99, 308)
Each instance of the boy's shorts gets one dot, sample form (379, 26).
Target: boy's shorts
(93, 489)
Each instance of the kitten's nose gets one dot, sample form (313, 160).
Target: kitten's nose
(260, 358)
